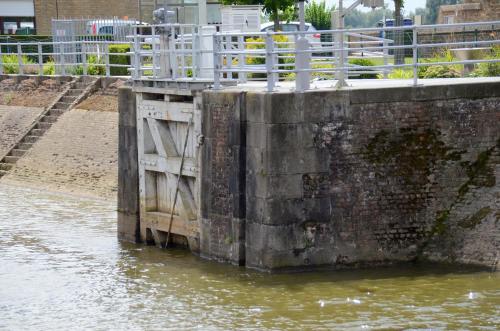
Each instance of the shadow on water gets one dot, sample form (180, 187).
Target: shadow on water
(179, 258)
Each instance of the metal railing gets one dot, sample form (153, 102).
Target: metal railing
(274, 57)
(65, 58)
(189, 52)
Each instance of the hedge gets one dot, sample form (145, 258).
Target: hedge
(119, 59)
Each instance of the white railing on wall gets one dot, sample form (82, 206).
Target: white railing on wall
(65, 58)
(183, 52)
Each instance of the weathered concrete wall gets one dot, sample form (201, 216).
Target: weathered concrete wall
(77, 155)
(355, 177)
(128, 172)
(222, 227)
(14, 123)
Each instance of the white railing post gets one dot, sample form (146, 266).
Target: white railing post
(20, 58)
(229, 56)
(242, 76)
(270, 62)
(386, 57)
(40, 58)
(106, 58)
(415, 55)
(302, 63)
(84, 58)
(155, 44)
(217, 61)
(174, 67)
(196, 52)
(1, 60)
(183, 59)
(137, 57)
(63, 66)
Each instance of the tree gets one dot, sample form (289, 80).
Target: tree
(319, 15)
(399, 54)
(271, 7)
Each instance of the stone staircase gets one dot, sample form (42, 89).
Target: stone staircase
(79, 89)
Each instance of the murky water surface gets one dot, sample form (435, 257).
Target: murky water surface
(61, 267)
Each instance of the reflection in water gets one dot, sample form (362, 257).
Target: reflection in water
(61, 266)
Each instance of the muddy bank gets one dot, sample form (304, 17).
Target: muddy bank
(30, 92)
(78, 155)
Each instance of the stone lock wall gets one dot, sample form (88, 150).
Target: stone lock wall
(355, 177)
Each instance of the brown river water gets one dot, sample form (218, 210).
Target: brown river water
(61, 267)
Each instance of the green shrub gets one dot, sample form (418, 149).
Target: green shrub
(489, 69)
(95, 67)
(400, 74)
(49, 68)
(280, 41)
(440, 71)
(363, 63)
(11, 63)
(119, 59)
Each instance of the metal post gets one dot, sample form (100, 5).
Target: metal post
(154, 45)
(386, 57)
(63, 67)
(40, 58)
(338, 17)
(217, 62)
(106, 58)
(196, 52)
(84, 58)
(242, 76)
(173, 58)
(1, 60)
(270, 62)
(20, 58)
(137, 57)
(183, 59)
(229, 56)
(415, 54)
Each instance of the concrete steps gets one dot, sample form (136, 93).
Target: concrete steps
(30, 139)
(11, 159)
(49, 119)
(44, 123)
(18, 152)
(6, 166)
(24, 146)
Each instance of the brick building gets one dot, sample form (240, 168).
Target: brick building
(470, 11)
(16, 15)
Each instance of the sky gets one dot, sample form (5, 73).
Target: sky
(410, 5)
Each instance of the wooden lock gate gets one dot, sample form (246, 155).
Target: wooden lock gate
(169, 135)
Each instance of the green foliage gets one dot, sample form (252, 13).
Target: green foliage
(489, 69)
(49, 68)
(363, 63)
(400, 74)
(95, 67)
(440, 71)
(319, 15)
(119, 59)
(11, 63)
